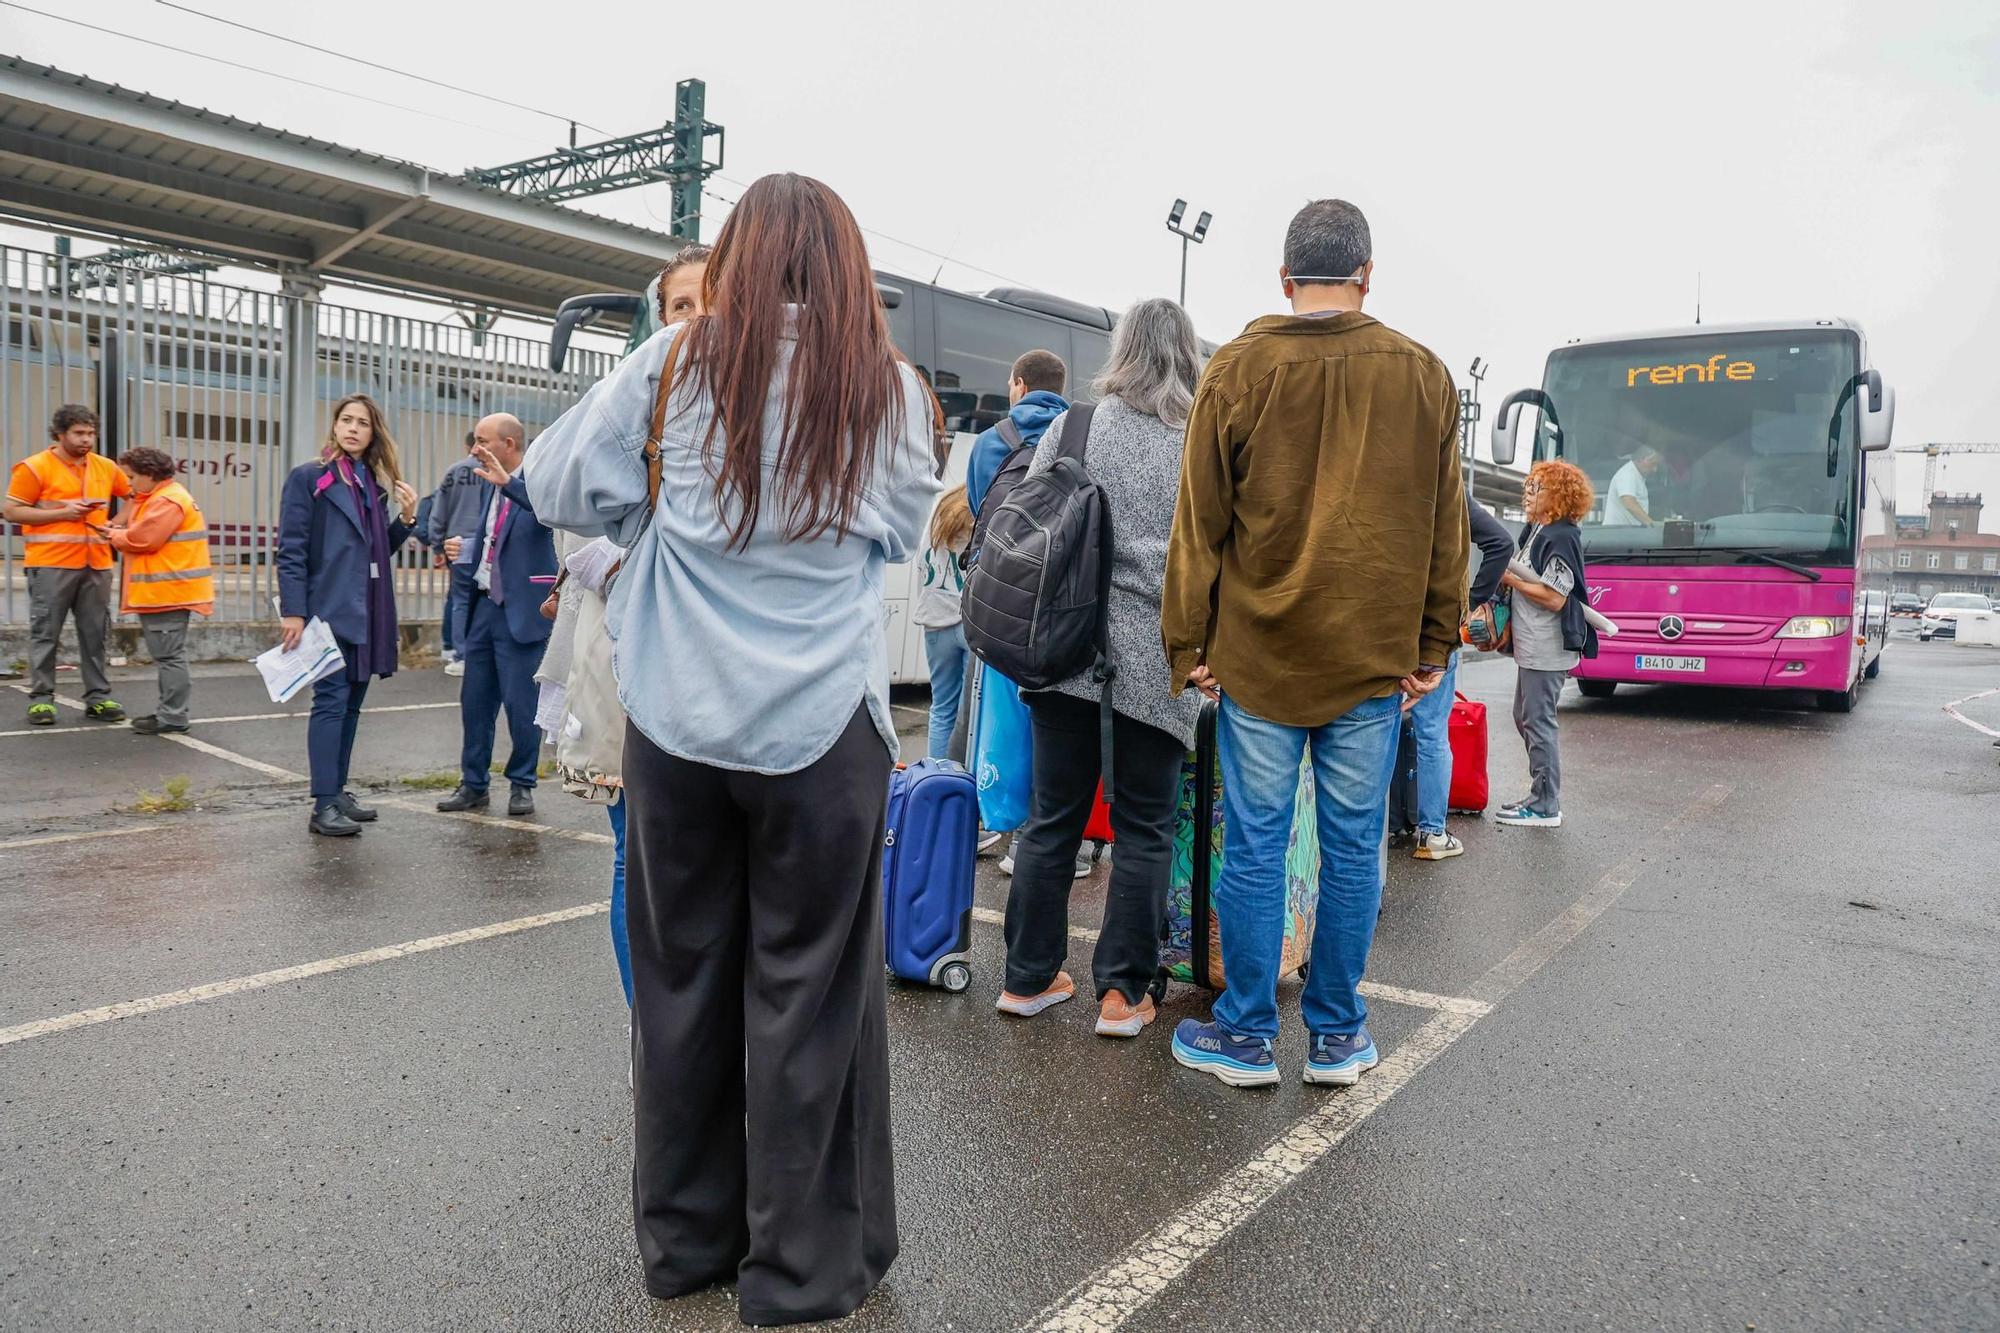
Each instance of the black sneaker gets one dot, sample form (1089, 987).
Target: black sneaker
(465, 798)
(521, 801)
(353, 809)
(149, 725)
(104, 710)
(329, 822)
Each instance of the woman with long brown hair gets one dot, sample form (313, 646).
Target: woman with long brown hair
(336, 538)
(795, 458)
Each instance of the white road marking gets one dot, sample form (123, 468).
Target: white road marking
(214, 990)
(300, 714)
(1115, 1293)
(1374, 990)
(45, 839)
(498, 821)
(242, 760)
(1951, 711)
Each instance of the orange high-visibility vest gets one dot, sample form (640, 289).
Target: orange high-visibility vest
(70, 543)
(178, 573)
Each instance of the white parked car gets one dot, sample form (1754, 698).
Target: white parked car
(1940, 620)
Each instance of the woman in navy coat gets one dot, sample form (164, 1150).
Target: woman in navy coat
(337, 537)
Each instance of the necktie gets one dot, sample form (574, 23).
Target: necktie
(495, 589)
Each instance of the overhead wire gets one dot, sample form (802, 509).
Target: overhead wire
(371, 64)
(253, 69)
(897, 240)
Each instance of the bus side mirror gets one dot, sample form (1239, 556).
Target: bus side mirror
(1878, 418)
(580, 312)
(1507, 421)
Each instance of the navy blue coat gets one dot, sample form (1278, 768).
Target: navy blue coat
(323, 551)
(526, 549)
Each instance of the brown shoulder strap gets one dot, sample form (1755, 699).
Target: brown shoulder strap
(659, 425)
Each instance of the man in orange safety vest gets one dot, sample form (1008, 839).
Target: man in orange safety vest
(167, 577)
(59, 497)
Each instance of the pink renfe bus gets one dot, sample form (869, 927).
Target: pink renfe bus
(1745, 504)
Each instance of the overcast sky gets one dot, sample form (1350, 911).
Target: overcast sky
(1532, 172)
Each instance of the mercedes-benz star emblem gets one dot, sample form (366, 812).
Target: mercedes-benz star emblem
(1671, 627)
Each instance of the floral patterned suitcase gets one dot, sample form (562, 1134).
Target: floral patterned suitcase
(1192, 947)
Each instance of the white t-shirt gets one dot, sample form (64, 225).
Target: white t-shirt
(1628, 480)
(939, 596)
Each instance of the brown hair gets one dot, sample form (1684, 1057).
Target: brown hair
(791, 258)
(694, 252)
(380, 455)
(1041, 369)
(152, 463)
(951, 521)
(1566, 491)
(70, 415)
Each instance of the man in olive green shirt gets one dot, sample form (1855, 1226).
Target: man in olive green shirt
(1315, 579)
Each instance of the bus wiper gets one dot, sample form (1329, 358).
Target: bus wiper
(1806, 571)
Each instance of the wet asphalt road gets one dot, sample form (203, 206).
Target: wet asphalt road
(1758, 1090)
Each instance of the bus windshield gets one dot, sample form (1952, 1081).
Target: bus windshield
(1703, 449)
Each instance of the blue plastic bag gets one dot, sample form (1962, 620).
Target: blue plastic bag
(1003, 759)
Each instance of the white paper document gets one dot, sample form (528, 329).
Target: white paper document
(317, 657)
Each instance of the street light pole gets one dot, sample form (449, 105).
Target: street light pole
(1468, 411)
(1195, 237)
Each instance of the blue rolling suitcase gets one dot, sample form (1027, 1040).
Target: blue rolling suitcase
(927, 857)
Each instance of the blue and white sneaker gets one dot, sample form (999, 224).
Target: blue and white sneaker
(1522, 816)
(1241, 1062)
(1340, 1060)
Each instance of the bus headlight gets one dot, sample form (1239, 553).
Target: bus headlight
(1814, 627)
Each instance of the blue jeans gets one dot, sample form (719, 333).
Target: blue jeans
(1432, 717)
(458, 596)
(944, 650)
(621, 943)
(1353, 757)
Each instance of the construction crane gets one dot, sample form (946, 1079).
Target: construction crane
(1932, 452)
(677, 152)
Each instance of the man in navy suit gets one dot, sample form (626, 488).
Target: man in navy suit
(504, 630)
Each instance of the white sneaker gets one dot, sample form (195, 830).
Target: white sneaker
(455, 667)
(1437, 847)
(1082, 866)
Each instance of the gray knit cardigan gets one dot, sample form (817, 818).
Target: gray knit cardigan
(1137, 460)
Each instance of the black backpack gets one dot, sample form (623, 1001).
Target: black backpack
(1035, 601)
(1012, 468)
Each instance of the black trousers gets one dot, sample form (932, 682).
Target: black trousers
(1145, 787)
(760, 1032)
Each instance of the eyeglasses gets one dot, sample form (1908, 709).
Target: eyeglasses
(1532, 488)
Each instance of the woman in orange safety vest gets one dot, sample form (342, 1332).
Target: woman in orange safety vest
(167, 577)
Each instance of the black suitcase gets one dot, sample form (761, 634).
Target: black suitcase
(1403, 785)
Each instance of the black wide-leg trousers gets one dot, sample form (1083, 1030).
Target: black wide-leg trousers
(761, 1048)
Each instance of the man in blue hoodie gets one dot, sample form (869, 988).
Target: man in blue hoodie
(1034, 396)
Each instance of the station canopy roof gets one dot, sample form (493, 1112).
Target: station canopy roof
(79, 154)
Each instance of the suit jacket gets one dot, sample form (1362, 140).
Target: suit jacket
(323, 550)
(526, 549)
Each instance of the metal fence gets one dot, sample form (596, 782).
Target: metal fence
(237, 385)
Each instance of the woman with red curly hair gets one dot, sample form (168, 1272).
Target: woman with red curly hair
(1549, 630)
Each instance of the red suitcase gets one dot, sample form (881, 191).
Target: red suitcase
(1467, 733)
(1098, 830)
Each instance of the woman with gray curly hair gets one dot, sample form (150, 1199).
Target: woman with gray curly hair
(1133, 451)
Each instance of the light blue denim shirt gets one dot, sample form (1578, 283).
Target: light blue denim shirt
(752, 659)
